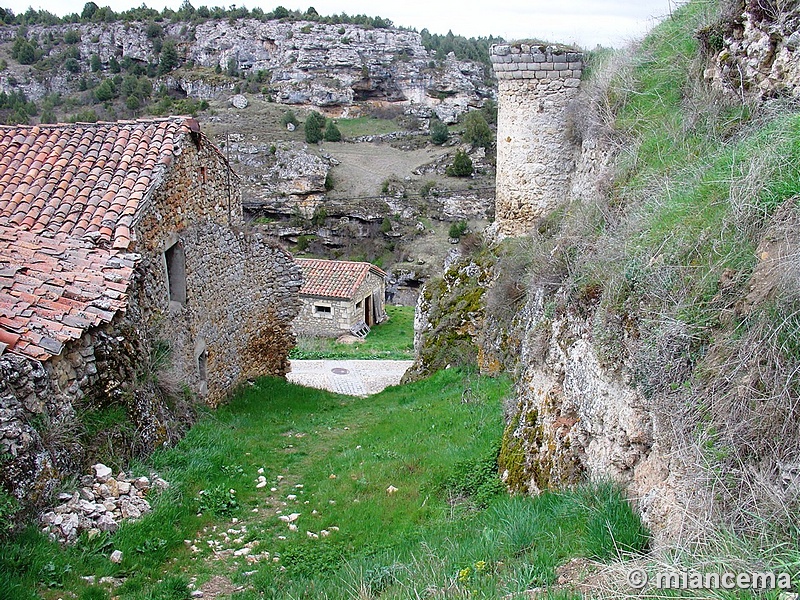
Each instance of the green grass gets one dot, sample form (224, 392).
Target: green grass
(448, 526)
(391, 340)
(361, 126)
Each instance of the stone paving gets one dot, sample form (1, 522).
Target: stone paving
(349, 377)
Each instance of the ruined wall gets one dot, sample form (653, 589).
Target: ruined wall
(535, 156)
(233, 320)
(41, 433)
(344, 313)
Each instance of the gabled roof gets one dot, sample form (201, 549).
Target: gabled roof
(338, 279)
(87, 180)
(69, 198)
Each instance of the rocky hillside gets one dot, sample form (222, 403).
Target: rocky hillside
(652, 318)
(288, 60)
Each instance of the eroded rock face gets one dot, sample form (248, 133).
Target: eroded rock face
(304, 62)
(760, 51)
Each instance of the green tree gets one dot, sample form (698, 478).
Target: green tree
(462, 165)
(477, 131)
(88, 11)
(313, 127)
(439, 132)
(95, 63)
(23, 51)
(332, 133)
(105, 91)
(168, 61)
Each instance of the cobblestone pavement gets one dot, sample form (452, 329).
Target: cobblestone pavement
(350, 377)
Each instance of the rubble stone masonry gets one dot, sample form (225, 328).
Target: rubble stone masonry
(535, 157)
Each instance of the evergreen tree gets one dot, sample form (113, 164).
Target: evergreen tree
(477, 131)
(332, 133)
(169, 58)
(462, 165)
(439, 132)
(313, 127)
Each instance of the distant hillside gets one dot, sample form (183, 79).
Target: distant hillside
(106, 65)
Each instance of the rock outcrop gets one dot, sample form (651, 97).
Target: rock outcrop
(301, 62)
(755, 50)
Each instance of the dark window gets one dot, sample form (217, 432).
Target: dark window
(318, 308)
(176, 273)
(202, 365)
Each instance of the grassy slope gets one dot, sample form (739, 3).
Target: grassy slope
(432, 533)
(392, 340)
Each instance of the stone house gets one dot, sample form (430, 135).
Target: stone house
(128, 281)
(340, 297)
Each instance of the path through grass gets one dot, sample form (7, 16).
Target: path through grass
(384, 497)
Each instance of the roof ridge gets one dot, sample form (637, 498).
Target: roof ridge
(178, 119)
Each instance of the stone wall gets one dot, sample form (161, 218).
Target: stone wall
(41, 434)
(535, 156)
(233, 320)
(344, 313)
(234, 323)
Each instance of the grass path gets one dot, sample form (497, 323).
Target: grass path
(391, 340)
(289, 492)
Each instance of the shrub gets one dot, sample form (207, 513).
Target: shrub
(289, 117)
(428, 188)
(105, 91)
(462, 165)
(95, 63)
(313, 127)
(8, 508)
(332, 133)
(169, 58)
(72, 37)
(457, 229)
(72, 65)
(439, 132)
(477, 131)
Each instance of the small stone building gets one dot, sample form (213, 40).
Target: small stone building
(340, 297)
(127, 281)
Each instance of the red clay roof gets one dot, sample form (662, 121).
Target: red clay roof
(54, 288)
(334, 278)
(84, 180)
(69, 197)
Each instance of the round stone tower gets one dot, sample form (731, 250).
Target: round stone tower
(534, 154)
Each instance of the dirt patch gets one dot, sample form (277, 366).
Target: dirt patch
(219, 587)
(363, 167)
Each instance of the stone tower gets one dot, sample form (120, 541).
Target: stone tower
(534, 154)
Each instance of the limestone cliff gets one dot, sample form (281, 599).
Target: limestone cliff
(302, 62)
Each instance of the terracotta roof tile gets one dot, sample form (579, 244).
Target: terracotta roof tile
(73, 178)
(59, 288)
(334, 278)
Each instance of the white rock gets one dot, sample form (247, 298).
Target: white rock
(239, 101)
(101, 472)
(116, 556)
